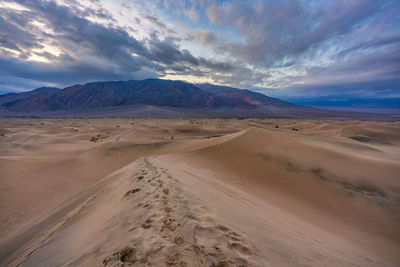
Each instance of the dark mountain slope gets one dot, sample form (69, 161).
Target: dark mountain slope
(243, 97)
(7, 98)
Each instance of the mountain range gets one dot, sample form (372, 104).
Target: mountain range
(152, 92)
(159, 98)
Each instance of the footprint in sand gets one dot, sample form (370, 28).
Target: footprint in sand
(147, 222)
(132, 191)
(241, 249)
(178, 240)
(170, 224)
(126, 255)
(168, 209)
(222, 228)
(215, 244)
(173, 258)
(146, 225)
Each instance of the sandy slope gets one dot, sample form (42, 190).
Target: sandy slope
(219, 193)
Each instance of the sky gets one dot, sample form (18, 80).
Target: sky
(335, 49)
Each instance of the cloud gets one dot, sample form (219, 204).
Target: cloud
(63, 74)
(192, 14)
(155, 21)
(188, 8)
(282, 47)
(206, 37)
(351, 41)
(276, 30)
(16, 37)
(90, 51)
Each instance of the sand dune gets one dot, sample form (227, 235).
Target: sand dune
(210, 192)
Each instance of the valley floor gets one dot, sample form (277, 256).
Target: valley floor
(200, 192)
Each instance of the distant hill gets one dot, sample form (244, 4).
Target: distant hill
(355, 103)
(153, 92)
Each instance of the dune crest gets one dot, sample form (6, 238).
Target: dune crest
(154, 223)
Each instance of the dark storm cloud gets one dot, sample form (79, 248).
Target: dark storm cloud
(60, 73)
(114, 44)
(278, 29)
(16, 37)
(358, 39)
(91, 50)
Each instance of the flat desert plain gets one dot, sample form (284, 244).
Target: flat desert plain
(200, 192)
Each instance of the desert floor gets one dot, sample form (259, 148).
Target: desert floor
(201, 192)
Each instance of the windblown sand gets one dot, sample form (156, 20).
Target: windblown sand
(201, 192)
